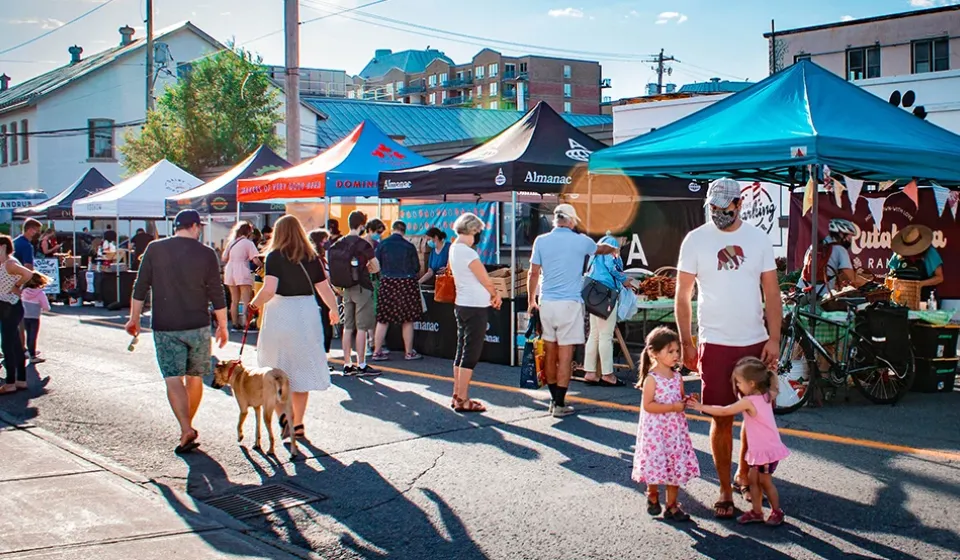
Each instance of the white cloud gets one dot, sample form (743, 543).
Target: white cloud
(662, 21)
(44, 23)
(566, 12)
(225, 13)
(846, 18)
(667, 17)
(682, 19)
(922, 3)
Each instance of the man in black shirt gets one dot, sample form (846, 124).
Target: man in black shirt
(140, 242)
(184, 276)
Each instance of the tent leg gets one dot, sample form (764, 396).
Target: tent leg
(497, 226)
(326, 212)
(74, 251)
(513, 284)
(238, 211)
(379, 208)
(116, 259)
(814, 241)
(589, 202)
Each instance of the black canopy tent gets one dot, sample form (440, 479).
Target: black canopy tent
(60, 207)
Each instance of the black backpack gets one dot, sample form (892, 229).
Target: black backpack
(340, 256)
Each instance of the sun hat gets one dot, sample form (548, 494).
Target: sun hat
(912, 240)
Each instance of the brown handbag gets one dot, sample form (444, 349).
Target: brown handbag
(445, 290)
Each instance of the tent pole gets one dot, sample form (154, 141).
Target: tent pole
(116, 258)
(589, 202)
(74, 251)
(379, 208)
(326, 221)
(814, 242)
(496, 221)
(513, 283)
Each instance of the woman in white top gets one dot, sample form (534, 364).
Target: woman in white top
(237, 274)
(475, 294)
(12, 276)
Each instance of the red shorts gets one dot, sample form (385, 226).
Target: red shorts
(716, 371)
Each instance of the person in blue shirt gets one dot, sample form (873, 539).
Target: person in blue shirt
(23, 244)
(399, 300)
(605, 267)
(439, 255)
(559, 257)
(915, 258)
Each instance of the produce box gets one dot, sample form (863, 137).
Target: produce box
(501, 282)
(930, 341)
(935, 376)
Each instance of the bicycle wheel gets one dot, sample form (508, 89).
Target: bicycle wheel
(796, 370)
(887, 381)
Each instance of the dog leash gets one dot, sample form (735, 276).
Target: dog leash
(243, 343)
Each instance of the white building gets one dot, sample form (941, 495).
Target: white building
(76, 116)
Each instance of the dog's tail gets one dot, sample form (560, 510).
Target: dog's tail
(283, 386)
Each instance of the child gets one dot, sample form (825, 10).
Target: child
(758, 385)
(664, 452)
(35, 302)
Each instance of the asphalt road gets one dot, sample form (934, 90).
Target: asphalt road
(403, 476)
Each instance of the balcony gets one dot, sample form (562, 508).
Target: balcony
(411, 90)
(509, 92)
(457, 101)
(512, 75)
(459, 82)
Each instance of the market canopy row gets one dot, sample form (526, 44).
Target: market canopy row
(139, 197)
(60, 207)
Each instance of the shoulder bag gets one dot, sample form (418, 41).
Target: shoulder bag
(598, 299)
(445, 289)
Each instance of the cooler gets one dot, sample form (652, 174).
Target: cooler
(935, 375)
(934, 342)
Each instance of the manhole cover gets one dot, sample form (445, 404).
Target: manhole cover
(263, 500)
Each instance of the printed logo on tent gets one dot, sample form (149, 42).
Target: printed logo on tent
(176, 185)
(490, 152)
(694, 187)
(578, 151)
(389, 185)
(219, 204)
(388, 155)
(266, 169)
(758, 207)
(501, 179)
(906, 101)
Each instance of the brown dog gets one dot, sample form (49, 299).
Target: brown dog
(264, 390)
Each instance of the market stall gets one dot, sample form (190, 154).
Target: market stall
(803, 125)
(141, 197)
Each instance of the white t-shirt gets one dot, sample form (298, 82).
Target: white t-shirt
(728, 268)
(470, 292)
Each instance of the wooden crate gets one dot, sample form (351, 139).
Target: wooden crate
(906, 292)
(501, 282)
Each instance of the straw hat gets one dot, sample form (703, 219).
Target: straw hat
(912, 240)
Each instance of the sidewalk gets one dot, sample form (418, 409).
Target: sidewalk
(61, 502)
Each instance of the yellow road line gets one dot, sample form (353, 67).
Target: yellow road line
(816, 436)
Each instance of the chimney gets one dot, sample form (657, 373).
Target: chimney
(126, 35)
(75, 52)
(382, 53)
(4, 82)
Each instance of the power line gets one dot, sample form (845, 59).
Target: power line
(713, 72)
(355, 8)
(54, 30)
(78, 131)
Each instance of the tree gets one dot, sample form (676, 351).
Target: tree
(222, 109)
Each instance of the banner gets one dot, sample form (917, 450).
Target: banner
(421, 217)
(51, 269)
(870, 250)
(653, 240)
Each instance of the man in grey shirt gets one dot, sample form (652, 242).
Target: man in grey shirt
(184, 276)
(839, 265)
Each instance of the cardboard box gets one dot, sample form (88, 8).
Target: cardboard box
(501, 282)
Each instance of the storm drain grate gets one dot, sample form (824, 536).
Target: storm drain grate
(263, 501)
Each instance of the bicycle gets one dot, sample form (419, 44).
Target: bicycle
(874, 351)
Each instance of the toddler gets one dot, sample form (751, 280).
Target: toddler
(35, 302)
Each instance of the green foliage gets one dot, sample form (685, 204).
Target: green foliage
(221, 110)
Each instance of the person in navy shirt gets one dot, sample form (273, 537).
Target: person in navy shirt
(439, 255)
(23, 244)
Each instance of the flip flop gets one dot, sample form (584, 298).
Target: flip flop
(724, 505)
(604, 383)
(189, 446)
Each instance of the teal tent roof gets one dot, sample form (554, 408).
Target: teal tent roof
(411, 62)
(802, 115)
(715, 86)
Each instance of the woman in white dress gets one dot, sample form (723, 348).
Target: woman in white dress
(291, 337)
(237, 274)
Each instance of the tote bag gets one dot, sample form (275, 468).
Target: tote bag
(445, 289)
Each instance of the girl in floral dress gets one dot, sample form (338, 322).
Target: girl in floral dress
(664, 452)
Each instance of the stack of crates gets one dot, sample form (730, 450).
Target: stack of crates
(935, 349)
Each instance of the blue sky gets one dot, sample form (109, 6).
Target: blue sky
(710, 38)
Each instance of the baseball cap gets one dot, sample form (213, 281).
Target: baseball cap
(186, 219)
(566, 211)
(722, 192)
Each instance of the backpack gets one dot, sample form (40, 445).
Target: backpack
(344, 262)
(824, 250)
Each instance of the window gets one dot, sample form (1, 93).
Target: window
(523, 67)
(100, 137)
(494, 70)
(433, 80)
(433, 99)
(3, 145)
(399, 86)
(567, 108)
(567, 90)
(510, 69)
(931, 56)
(799, 57)
(567, 71)
(443, 97)
(13, 143)
(479, 91)
(494, 89)
(494, 105)
(444, 79)
(478, 72)
(24, 141)
(863, 63)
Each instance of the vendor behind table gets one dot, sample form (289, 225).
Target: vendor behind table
(915, 258)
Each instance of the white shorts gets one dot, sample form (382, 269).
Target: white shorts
(562, 322)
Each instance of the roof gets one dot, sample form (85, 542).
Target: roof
(61, 206)
(715, 86)
(422, 125)
(139, 197)
(411, 62)
(28, 92)
(802, 115)
(887, 17)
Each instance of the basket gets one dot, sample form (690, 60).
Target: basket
(905, 292)
(501, 282)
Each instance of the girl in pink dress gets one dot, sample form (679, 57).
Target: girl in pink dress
(758, 387)
(664, 452)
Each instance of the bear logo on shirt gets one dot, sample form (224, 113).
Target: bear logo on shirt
(730, 258)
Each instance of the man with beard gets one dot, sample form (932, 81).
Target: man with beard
(833, 260)
(733, 266)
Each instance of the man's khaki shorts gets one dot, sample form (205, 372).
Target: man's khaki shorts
(358, 309)
(562, 322)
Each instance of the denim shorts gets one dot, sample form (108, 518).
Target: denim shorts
(182, 353)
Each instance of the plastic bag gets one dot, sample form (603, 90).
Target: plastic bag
(627, 304)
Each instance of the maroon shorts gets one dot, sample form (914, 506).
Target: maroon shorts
(716, 371)
(769, 468)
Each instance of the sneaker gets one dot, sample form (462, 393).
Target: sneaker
(379, 356)
(366, 371)
(750, 517)
(776, 518)
(349, 370)
(412, 356)
(37, 360)
(561, 411)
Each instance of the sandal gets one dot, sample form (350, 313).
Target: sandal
(723, 506)
(654, 508)
(743, 490)
(299, 431)
(604, 383)
(674, 513)
(8, 388)
(284, 427)
(750, 517)
(189, 446)
(468, 405)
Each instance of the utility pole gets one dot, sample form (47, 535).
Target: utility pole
(661, 69)
(149, 24)
(291, 24)
(773, 47)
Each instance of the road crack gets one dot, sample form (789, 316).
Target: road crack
(402, 493)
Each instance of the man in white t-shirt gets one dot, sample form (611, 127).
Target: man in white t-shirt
(733, 266)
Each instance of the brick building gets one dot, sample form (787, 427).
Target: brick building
(489, 81)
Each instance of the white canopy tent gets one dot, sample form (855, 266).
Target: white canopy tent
(141, 197)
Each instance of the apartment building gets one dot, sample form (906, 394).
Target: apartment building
(489, 81)
(321, 82)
